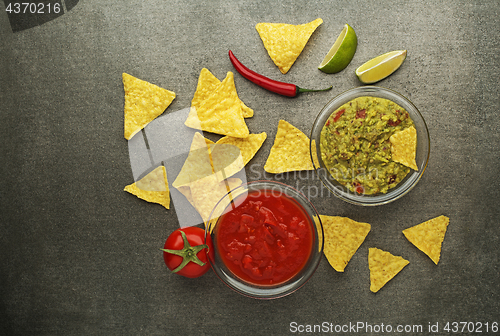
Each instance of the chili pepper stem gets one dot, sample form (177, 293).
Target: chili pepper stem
(300, 90)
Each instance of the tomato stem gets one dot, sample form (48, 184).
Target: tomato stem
(188, 253)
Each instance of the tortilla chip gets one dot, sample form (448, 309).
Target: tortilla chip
(285, 42)
(226, 160)
(230, 154)
(290, 151)
(229, 183)
(143, 103)
(209, 142)
(207, 192)
(315, 154)
(197, 181)
(247, 111)
(428, 236)
(383, 267)
(221, 112)
(186, 191)
(404, 147)
(197, 164)
(248, 146)
(343, 237)
(207, 84)
(152, 188)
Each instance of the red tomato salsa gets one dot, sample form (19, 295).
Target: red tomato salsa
(267, 239)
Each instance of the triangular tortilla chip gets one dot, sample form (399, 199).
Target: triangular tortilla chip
(290, 151)
(383, 267)
(428, 236)
(314, 154)
(202, 179)
(404, 147)
(204, 210)
(343, 237)
(209, 142)
(207, 192)
(284, 42)
(230, 154)
(207, 84)
(186, 191)
(226, 160)
(248, 146)
(247, 111)
(143, 103)
(221, 112)
(197, 164)
(152, 188)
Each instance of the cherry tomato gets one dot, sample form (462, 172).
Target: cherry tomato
(185, 252)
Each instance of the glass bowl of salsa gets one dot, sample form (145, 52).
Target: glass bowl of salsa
(354, 132)
(268, 239)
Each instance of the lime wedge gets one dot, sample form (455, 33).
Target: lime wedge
(380, 67)
(341, 53)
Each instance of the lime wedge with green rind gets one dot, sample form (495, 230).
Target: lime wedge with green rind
(341, 53)
(380, 67)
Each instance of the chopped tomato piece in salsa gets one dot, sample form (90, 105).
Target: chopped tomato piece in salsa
(267, 239)
(338, 115)
(394, 123)
(361, 114)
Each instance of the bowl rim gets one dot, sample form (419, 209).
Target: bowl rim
(423, 140)
(283, 289)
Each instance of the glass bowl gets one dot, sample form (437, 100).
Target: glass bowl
(233, 200)
(422, 155)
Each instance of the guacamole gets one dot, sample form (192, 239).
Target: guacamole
(355, 146)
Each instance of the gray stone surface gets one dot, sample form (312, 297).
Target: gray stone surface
(79, 256)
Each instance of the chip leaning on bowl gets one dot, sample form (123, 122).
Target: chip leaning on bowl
(369, 145)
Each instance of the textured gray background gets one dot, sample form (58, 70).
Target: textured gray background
(79, 256)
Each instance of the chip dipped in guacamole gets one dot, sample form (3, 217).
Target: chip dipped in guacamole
(355, 145)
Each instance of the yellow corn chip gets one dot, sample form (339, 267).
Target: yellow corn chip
(290, 151)
(206, 192)
(230, 184)
(207, 84)
(221, 112)
(226, 160)
(383, 267)
(247, 111)
(248, 146)
(197, 164)
(152, 188)
(315, 154)
(404, 147)
(197, 181)
(143, 103)
(284, 42)
(428, 236)
(186, 191)
(208, 142)
(343, 237)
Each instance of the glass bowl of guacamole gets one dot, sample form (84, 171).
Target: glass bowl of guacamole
(373, 145)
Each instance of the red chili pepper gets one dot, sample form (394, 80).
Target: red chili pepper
(284, 89)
